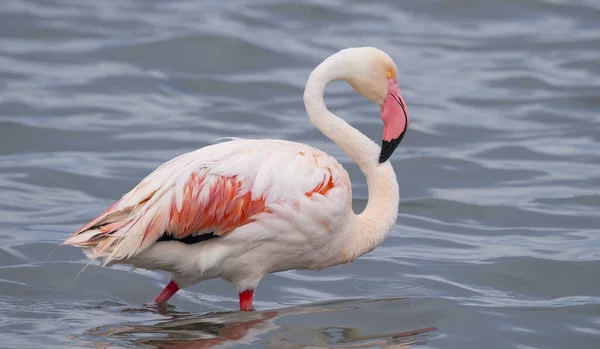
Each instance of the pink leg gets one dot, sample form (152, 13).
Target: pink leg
(167, 292)
(246, 300)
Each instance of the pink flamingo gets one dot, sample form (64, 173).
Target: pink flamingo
(244, 208)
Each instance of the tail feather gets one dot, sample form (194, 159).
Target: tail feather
(83, 239)
(117, 235)
(99, 236)
(103, 218)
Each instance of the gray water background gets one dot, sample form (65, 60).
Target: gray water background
(497, 243)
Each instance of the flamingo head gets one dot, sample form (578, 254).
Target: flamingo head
(373, 74)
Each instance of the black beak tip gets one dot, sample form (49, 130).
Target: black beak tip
(388, 147)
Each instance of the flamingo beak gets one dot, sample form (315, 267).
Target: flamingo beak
(395, 120)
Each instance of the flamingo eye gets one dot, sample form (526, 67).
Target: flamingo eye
(389, 74)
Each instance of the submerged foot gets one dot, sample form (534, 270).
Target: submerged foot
(167, 292)
(246, 300)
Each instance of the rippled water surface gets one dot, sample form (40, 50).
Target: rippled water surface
(497, 244)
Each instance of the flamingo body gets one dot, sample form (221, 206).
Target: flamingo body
(272, 205)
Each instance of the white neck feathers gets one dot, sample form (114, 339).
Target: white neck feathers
(379, 217)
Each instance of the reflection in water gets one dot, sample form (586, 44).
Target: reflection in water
(217, 329)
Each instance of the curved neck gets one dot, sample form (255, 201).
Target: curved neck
(368, 229)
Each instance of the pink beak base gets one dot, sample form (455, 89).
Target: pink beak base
(395, 120)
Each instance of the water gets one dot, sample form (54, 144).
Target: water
(497, 243)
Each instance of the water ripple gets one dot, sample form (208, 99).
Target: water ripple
(498, 227)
